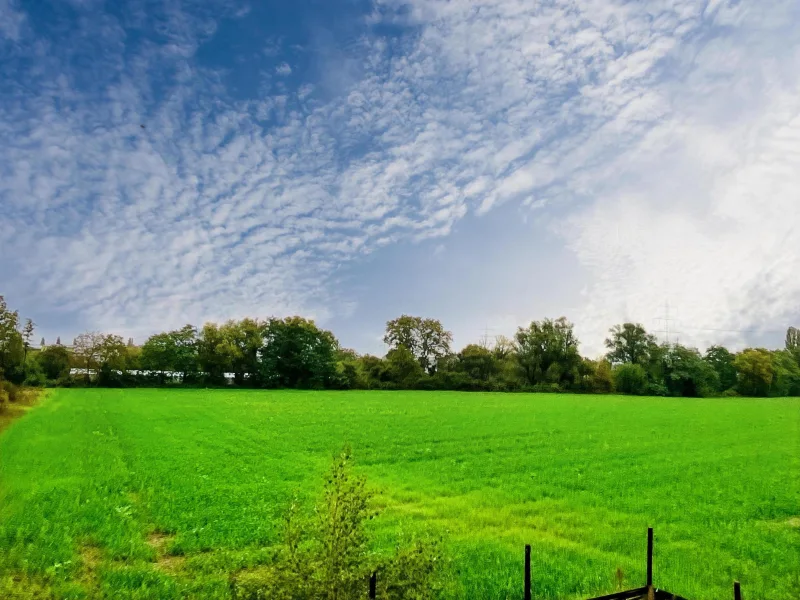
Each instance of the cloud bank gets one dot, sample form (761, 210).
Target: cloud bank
(659, 139)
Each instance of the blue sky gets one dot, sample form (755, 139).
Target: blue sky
(483, 162)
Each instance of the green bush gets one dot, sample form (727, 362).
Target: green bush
(630, 379)
(35, 379)
(327, 557)
(54, 361)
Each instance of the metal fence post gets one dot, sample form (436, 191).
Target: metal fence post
(649, 556)
(373, 585)
(527, 572)
(737, 591)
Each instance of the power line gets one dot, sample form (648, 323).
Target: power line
(667, 320)
(485, 337)
(735, 330)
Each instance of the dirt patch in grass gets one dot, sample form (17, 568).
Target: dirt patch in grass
(794, 522)
(11, 411)
(91, 558)
(159, 541)
(170, 564)
(165, 562)
(22, 587)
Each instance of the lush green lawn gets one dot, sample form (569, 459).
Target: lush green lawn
(88, 476)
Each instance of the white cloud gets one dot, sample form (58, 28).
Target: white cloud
(12, 20)
(662, 142)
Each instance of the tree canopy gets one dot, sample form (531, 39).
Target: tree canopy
(630, 343)
(294, 352)
(426, 339)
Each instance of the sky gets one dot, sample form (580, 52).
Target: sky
(483, 162)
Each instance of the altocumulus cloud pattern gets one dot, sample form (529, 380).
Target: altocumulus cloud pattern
(172, 162)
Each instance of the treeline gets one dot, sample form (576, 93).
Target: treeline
(294, 353)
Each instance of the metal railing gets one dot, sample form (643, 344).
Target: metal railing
(647, 592)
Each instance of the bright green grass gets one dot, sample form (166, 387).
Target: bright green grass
(86, 476)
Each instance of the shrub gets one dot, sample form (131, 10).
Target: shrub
(327, 558)
(12, 392)
(546, 388)
(630, 379)
(54, 361)
(36, 379)
(656, 388)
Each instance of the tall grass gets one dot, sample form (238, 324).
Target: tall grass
(89, 477)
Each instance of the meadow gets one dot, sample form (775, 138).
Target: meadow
(161, 494)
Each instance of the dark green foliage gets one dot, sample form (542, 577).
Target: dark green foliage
(630, 379)
(214, 353)
(293, 352)
(347, 375)
(687, 374)
(594, 377)
(721, 360)
(297, 354)
(477, 363)
(786, 378)
(374, 370)
(54, 361)
(175, 351)
(34, 375)
(328, 558)
(239, 348)
(183, 347)
(630, 343)
(403, 369)
(547, 352)
(12, 345)
(755, 372)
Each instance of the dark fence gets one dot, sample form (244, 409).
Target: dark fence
(648, 592)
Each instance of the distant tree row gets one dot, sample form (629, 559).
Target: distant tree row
(294, 353)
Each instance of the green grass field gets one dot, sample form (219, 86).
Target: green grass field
(162, 493)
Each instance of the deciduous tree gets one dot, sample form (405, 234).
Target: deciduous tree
(721, 360)
(86, 350)
(755, 371)
(12, 346)
(793, 343)
(27, 335)
(630, 379)
(547, 351)
(786, 378)
(215, 352)
(243, 340)
(404, 369)
(477, 362)
(297, 353)
(426, 339)
(54, 361)
(184, 350)
(630, 343)
(687, 374)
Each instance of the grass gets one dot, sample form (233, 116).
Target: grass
(161, 494)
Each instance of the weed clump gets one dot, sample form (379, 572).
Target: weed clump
(327, 557)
